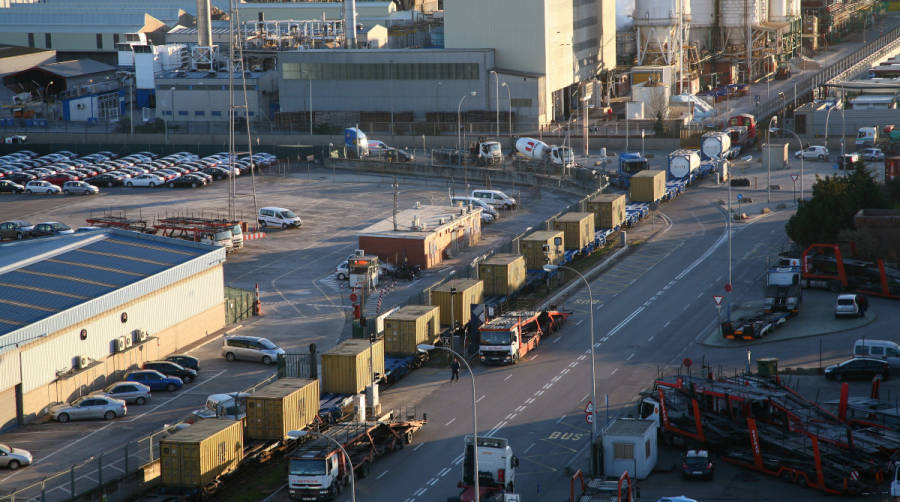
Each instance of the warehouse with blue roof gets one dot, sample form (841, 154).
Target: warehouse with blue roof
(79, 310)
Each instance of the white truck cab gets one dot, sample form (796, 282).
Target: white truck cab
(222, 238)
(496, 464)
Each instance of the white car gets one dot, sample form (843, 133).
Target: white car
(41, 186)
(13, 458)
(495, 198)
(872, 154)
(277, 217)
(813, 152)
(342, 271)
(145, 180)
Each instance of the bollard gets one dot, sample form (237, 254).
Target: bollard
(72, 480)
(43, 491)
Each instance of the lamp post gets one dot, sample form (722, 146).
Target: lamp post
(773, 120)
(46, 92)
(497, 99)
(551, 268)
(459, 121)
(302, 433)
(827, 117)
(509, 103)
(801, 156)
(424, 347)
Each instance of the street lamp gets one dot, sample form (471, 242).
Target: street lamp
(773, 120)
(550, 268)
(508, 102)
(497, 99)
(799, 142)
(459, 122)
(299, 434)
(424, 347)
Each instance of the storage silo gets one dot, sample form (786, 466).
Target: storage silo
(656, 24)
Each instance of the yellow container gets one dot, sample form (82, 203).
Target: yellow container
(281, 406)
(503, 274)
(346, 368)
(578, 229)
(468, 292)
(197, 455)
(532, 248)
(648, 186)
(608, 209)
(410, 326)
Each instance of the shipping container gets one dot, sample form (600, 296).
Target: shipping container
(281, 406)
(503, 274)
(578, 229)
(197, 455)
(532, 248)
(467, 293)
(775, 156)
(347, 367)
(608, 209)
(648, 186)
(410, 326)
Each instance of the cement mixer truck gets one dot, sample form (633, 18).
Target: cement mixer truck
(537, 150)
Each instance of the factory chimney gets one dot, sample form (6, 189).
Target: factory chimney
(204, 24)
(350, 23)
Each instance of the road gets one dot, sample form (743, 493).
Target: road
(651, 311)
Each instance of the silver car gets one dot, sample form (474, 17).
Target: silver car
(251, 348)
(13, 458)
(130, 392)
(88, 407)
(79, 187)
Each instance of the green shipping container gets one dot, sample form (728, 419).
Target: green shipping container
(608, 209)
(648, 186)
(503, 274)
(197, 455)
(409, 326)
(578, 229)
(468, 292)
(532, 248)
(281, 406)
(346, 368)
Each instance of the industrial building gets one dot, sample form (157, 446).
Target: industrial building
(203, 96)
(423, 235)
(77, 311)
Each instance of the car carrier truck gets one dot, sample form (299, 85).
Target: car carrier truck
(506, 339)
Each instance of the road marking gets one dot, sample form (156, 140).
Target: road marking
(459, 458)
(557, 339)
(625, 321)
(699, 294)
(507, 377)
(457, 461)
(539, 393)
(573, 364)
(703, 257)
(381, 475)
(520, 409)
(686, 306)
(579, 322)
(115, 467)
(444, 472)
(582, 357)
(450, 422)
(584, 398)
(554, 379)
(560, 419)
(547, 386)
(532, 358)
(420, 492)
(480, 398)
(527, 449)
(529, 400)
(167, 401)
(496, 429)
(629, 357)
(512, 416)
(651, 336)
(432, 481)
(658, 293)
(614, 372)
(418, 446)
(564, 371)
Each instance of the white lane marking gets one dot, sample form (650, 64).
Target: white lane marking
(507, 377)
(420, 492)
(479, 399)
(658, 293)
(652, 336)
(496, 429)
(457, 461)
(614, 372)
(686, 306)
(699, 294)
(582, 357)
(584, 398)
(579, 322)
(625, 321)
(512, 416)
(557, 339)
(418, 446)
(529, 448)
(703, 257)
(539, 393)
(555, 379)
(432, 481)
(629, 357)
(532, 358)
(520, 409)
(444, 472)
(114, 466)
(529, 400)
(459, 458)
(560, 419)
(573, 364)
(167, 401)
(450, 422)
(564, 371)
(381, 475)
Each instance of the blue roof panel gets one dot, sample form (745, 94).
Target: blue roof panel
(139, 253)
(107, 276)
(114, 263)
(72, 287)
(46, 300)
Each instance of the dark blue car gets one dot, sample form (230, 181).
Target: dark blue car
(155, 380)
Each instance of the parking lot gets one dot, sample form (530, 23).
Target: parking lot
(302, 301)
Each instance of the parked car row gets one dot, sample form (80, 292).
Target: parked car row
(21, 229)
(821, 153)
(65, 172)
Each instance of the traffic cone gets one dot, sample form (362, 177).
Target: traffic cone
(257, 304)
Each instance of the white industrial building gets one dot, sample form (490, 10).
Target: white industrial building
(630, 445)
(78, 311)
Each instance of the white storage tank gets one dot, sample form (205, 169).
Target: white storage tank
(735, 14)
(779, 10)
(715, 144)
(656, 24)
(682, 163)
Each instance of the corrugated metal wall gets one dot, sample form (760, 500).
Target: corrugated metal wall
(166, 307)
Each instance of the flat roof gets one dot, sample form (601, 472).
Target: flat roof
(41, 278)
(459, 284)
(629, 427)
(10, 51)
(76, 67)
(349, 347)
(502, 259)
(542, 235)
(430, 219)
(411, 312)
(574, 216)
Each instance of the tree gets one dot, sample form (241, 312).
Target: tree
(834, 202)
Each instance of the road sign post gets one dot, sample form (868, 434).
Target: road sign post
(740, 198)
(794, 177)
(589, 413)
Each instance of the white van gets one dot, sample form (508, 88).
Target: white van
(880, 349)
(495, 198)
(277, 217)
(472, 201)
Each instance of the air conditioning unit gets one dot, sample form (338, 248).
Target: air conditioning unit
(120, 344)
(81, 362)
(359, 252)
(128, 342)
(141, 336)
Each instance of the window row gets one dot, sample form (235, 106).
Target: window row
(380, 71)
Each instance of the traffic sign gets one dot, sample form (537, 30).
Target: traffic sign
(728, 287)
(795, 177)
(854, 475)
(589, 412)
(589, 418)
(352, 297)
(687, 362)
(589, 408)
(718, 299)
(740, 196)
(835, 165)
